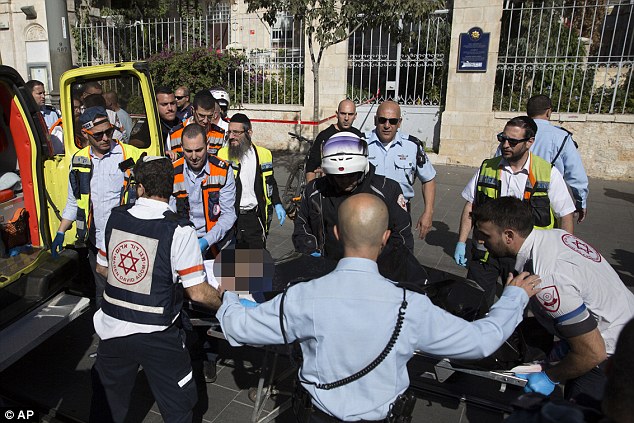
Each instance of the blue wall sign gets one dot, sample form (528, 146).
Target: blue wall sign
(473, 51)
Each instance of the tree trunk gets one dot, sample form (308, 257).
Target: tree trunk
(315, 70)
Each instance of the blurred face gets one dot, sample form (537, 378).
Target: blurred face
(205, 117)
(387, 121)
(493, 238)
(100, 136)
(346, 114)
(195, 152)
(514, 145)
(39, 95)
(166, 106)
(76, 108)
(182, 98)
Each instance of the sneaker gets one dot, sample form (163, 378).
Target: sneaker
(209, 369)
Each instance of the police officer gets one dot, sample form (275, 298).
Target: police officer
(402, 157)
(348, 172)
(361, 316)
(184, 108)
(582, 300)
(99, 180)
(256, 188)
(204, 192)
(153, 260)
(517, 173)
(555, 145)
(204, 114)
(346, 114)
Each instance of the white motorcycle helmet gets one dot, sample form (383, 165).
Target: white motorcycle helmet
(344, 153)
(221, 96)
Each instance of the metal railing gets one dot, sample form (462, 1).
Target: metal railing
(578, 52)
(271, 58)
(412, 72)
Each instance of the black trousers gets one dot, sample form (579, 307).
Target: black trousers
(100, 281)
(166, 364)
(250, 232)
(486, 273)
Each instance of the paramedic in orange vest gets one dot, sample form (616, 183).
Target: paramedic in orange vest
(204, 192)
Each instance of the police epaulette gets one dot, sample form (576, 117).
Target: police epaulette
(421, 156)
(416, 141)
(564, 129)
(218, 162)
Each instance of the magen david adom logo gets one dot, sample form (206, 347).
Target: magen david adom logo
(130, 262)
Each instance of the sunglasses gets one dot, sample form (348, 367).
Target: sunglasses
(99, 135)
(393, 121)
(512, 141)
(180, 97)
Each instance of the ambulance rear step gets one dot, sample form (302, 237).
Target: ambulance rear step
(35, 327)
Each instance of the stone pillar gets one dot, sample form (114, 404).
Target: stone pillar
(467, 134)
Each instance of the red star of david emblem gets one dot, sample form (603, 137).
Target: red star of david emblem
(125, 258)
(582, 246)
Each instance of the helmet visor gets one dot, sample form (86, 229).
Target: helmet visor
(343, 143)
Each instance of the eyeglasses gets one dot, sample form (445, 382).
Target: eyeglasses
(393, 121)
(180, 97)
(512, 141)
(235, 132)
(99, 135)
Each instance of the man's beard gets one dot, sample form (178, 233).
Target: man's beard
(238, 151)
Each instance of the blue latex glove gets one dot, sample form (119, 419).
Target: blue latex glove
(247, 303)
(281, 213)
(203, 244)
(538, 382)
(57, 245)
(460, 254)
(28, 248)
(316, 254)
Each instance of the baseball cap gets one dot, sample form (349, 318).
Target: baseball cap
(86, 119)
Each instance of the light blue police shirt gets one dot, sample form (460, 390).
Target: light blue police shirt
(399, 161)
(345, 319)
(547, 142)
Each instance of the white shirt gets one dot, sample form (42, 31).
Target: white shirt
(577, 283)
(186, 262)
(248, 200)
(514, 183)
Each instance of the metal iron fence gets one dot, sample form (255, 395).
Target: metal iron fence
(413, 72)
(579, 52)
(271, 58)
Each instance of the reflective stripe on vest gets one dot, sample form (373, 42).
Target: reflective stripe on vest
(215, 138)
(535, 192)
(141, 286)
(210, 188)
(80, 178)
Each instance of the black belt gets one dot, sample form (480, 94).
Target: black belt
(248, 211)
(322, 417)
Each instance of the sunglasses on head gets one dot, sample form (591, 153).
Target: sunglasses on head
(99, 135)
(393, 121)
(512, 141)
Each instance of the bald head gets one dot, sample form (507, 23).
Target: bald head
(346, 113)
(387, 121)
(363, 221)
